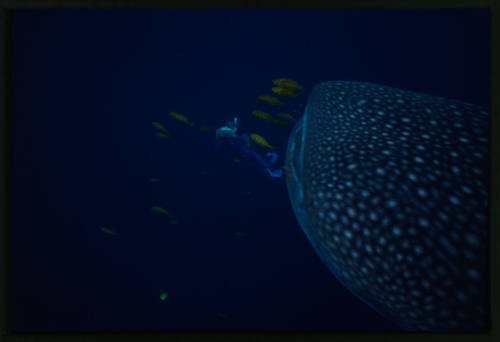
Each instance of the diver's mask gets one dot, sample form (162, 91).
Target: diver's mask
(228, 131)
(225, 132)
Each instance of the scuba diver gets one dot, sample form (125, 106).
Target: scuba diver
(239, 142)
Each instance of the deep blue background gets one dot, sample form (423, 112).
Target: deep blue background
(86, 85)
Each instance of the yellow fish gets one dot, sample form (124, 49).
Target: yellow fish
(271, 100)
(240, 234)
(262, 115)
(161, 211)
(160, 126)
(164, 296)
(107, 231)
(287, 83)
(285, 92)
(205, 128)
(286, 168)
(162, 136)
(281, 124)
(289, 176)
(207, 172)
(174, 222)
(260, 141)
(154, 180)
(181, 118)
(286, 116)
(237, 161)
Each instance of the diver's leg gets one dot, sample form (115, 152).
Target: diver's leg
(255, 160)
(272, 157)
(262, 165)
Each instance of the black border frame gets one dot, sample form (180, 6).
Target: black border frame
(494, 167)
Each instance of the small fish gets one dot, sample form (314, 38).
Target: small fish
(281, 124)
(263, 115)
(289, 159)
(249, 193)
(284, 92)
(207, 172)
(271, 100)
(161, 211)
(286, 168)
(162, 135)
(154, 180)
(240, 234)
(237, 161)
(181, 118)
(174, 222)
(286, 116)
(287, 83)
(107, 231)
(160, 126)
(260, 141)
(205, 128)
(289, 176)
(164, 296)
(222, 315)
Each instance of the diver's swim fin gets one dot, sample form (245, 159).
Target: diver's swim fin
(275, 174)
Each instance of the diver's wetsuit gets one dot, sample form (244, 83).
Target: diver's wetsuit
(240, 145)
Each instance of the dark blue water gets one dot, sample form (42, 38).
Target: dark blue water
(86, 85)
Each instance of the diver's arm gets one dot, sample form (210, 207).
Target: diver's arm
(244, 138)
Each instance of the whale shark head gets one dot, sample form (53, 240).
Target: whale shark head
(391, 189)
